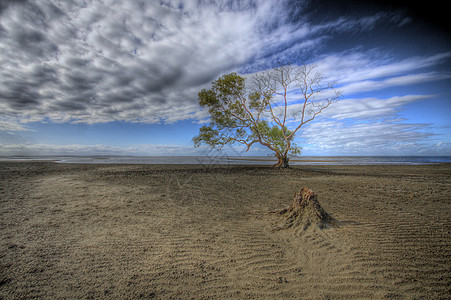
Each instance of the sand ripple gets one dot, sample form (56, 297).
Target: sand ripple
(106, 231)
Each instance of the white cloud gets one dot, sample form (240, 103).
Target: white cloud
(363, 72)
(359, 109)
(384, 137)
(358, 66)
(140, 61)
(101, 61)
(370, 108)
(359, 71)
(405, 80)
(86, 150)
(12, 125)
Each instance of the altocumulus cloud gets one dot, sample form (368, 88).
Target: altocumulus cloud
(141, 61)
(137, 61)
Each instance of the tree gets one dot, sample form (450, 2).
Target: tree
(267, 113)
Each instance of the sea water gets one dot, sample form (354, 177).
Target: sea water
(238, 160)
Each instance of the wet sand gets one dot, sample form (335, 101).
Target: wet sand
(169, 231)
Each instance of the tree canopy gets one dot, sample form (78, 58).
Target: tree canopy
(269, 111)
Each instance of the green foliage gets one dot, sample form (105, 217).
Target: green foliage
(273, 134)
(223, 101)
(278, 137)
(208, 135)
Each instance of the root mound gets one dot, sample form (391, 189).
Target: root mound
(305, 211)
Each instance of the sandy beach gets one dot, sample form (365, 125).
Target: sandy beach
(204, 232)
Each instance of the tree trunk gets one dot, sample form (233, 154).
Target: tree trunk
(283, 161)
(306, 211)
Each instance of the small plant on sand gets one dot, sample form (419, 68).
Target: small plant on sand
(305, 211)
(270, 112)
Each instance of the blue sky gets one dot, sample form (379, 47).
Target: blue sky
(121, 77)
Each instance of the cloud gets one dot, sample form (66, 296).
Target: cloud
(133, 61)
(405, 80)
(358, 71)
(370, 108)
(358, 109)
(384, 137)
(366, 126)
(12, 126)
(142, 61)
(86, 150)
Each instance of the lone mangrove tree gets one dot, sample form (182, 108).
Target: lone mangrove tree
(270, 111)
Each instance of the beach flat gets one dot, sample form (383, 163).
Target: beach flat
(180, 231)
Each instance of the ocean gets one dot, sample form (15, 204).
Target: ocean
(238, 160)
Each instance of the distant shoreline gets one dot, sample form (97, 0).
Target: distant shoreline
(236, 160)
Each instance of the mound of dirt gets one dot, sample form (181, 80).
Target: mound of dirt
(306, 211)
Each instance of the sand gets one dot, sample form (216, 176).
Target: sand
(182, 232)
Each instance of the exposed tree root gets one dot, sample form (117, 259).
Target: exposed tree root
(305, 211)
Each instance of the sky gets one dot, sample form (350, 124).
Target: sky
(107, 77)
